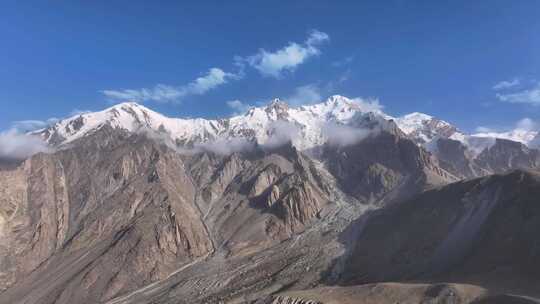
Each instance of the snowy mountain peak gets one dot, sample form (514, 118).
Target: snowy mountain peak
(258, 123)
(277, 103)
(342, 102)
(338, 99)
(426, 128)
(277, 109)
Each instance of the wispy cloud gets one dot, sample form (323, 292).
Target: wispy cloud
(225, 146)
(527, 124)
(343, 135)
(369, 104)
(524, 124)
(273, 64)
(238, 106)
(15, 145)
(281, 133)
(343, 62)
(23, 126)
(528, 96)
(166, 93)
(506, 84)
(307, 94)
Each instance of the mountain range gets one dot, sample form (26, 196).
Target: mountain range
(325, 203)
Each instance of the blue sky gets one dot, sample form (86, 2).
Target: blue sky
(473, 63)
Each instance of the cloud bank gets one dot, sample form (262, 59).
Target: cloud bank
(214, 78)
(274, 64)
(281, 133)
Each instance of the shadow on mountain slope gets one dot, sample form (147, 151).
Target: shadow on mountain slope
(482, 232)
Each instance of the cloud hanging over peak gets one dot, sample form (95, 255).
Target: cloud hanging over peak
(15, 145)
(274, 64)
(214, 78)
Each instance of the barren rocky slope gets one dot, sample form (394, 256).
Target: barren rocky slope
(480, 234)
(483, 231)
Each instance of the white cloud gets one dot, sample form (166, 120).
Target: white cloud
(342, 135)
(317, 37)
(267, 63)
(238, 106)
(506, 84)
(287, 58)
(302, 95)
(526, 124)
(225, 146)
(343, 62)
(522, 127)
(530, 96)
(166, 93)
(281, 133)
(214, 78)
(17, 146)
(219, 146)
(369, 104)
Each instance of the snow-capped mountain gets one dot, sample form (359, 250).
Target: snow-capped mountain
(425, 128)
(520, 135)
(304, 125)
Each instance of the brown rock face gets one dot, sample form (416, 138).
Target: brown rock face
(503, 156)
(455, 158)
(128, 195)
(385, 165)
(506, 155)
